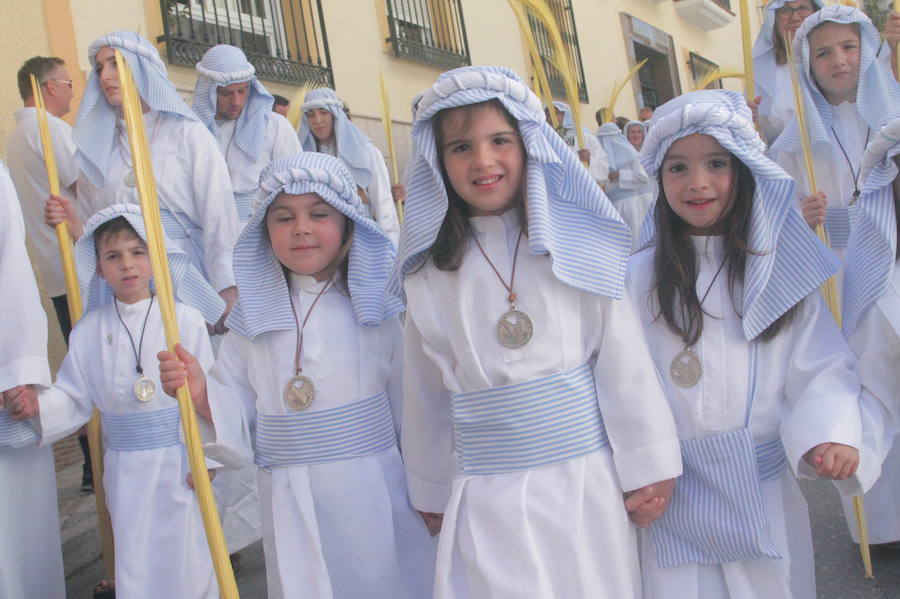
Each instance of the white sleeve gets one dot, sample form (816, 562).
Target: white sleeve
(392, 332)
(64, 152)
(633, 177)
(284, 140)
(67, 405)
(380, 199)
(599, 166)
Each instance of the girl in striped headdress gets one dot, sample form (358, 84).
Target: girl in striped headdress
(307, 385)
(760, 380)
(530, 403)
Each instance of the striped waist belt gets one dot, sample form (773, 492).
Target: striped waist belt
(527, 425)
(364, 427)
(142, 430)
(178, 225)
(244, 201)
(839, 224)
(16, 433)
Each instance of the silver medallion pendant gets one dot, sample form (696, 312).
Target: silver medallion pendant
(686, 368)
(144, 389)
(131, 179)
(514, 329)
(299, 392)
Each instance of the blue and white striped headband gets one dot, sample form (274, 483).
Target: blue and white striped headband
(788, 261)
(224, 65)
(95, 129)
(351, 142)
(872, 249)
(619, 150)
(569, 216)
(764, 55)
(877, 97)
(263, 296)
(188, 283)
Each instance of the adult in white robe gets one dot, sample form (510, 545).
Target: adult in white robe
(30, 548)
(629, 187)
(598, 163)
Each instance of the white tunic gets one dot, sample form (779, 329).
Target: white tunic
(25, 157)
(559, 531)
(806, 392)
(341, 529)
(30, 549)
(160, 545)
(782, 105)
(599, 164)
(191, 179)
(632, 195)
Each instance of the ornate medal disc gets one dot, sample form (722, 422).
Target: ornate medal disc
(144, 389)
(131, 179)
(686, 369)
(514, 329)
(299, 392)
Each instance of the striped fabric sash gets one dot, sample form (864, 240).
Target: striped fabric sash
(361, 428)
(839, 223)
(16, 433)
(243, 201)
(140, 431)
(528, 425)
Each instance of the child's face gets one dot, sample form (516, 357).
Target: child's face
(108, 73)
(834, 60)
(484, 158)
(698, 180)
(124, 263)
(306, 234)
(636, 137)
(321, 123)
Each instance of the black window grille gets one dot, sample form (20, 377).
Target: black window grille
(429, 31)
(700, 68)
(565, 20)
(284, 39)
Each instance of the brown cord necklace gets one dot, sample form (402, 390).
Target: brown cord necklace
(300, 392)
(514, 328)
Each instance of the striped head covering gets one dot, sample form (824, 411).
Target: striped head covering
(764, 56)
(224, 65)
(789, 262)
(95, 129)
(877, 97)
(351, 141)
(188, 283)
(263, 296)
(872, 249)
(618, 149)
(569, 216)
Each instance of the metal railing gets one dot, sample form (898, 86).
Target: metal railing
(284, 39)
(428, 31)
(565, 19)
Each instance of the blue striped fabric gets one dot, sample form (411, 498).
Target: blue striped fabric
(141, 431)
(189, 284)
(771, 460)
(361, 428)
(244, 203)
(223, 65)
(839, 221)
(877, 97)
(528, 425)
(16, 433)
(569, 217)
(788, 261)
(95, 129)
(351, 141)
(263, 301)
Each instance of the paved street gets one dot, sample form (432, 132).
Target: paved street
(838, 566)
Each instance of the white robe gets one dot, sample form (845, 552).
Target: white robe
(25, 157)
(876, 342)
(632, 195)
(160, 546)
(191, 179)
(559, 531)
(599, 164)
(806, 393)
(341, 529)
(30, 549)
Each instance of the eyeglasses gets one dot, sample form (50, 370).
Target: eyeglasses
(786, 12)
(66, 81)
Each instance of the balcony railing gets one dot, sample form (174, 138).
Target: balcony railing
(428, 31)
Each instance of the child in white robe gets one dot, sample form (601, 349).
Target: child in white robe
(591, 153)
(758, 376)
(307, 385)
(530, 403)
(629, 188)
(160, 545)
(324, 127)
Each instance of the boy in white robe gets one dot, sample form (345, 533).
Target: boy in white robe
(30, 549)
(160, 546)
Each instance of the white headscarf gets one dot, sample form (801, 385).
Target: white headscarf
(617, 147)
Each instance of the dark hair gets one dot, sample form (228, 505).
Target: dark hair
(780, 50)
(113, 226)
(621, 121)
(449, 246)
(40, 67)
(675, 260)
(280, 100)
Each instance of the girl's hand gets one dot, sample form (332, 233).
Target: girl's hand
(190, 477)
(398, 192)
(59, 209)
(585, 156)
(813, 208)
(648, 503)
(21, 402)
(613, 177)
(180, 367)
(230, 296)
(833, 460)
(433, 522)
(754, 107)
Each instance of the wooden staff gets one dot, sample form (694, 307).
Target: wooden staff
(159, 261)
(73, 299)
(749, 81)
(829, 288)
(389, 138)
